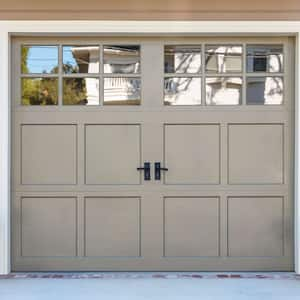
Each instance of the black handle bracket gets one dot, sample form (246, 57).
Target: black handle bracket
(147, 171)
(157, 170)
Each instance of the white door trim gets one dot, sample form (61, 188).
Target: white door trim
(9, 28)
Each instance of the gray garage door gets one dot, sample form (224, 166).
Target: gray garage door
(152, 153)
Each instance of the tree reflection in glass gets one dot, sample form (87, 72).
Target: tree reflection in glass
(265, 90)
(39, 91)
(223, 58)
(182, 59)
(39, 60)
(81, 59)
(80, 91)
(182, 91)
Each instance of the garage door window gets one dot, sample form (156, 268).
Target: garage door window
(39, 75)
(221, 61)
(223, 58)
(39, 91)
(38, 59)
(110, 75)
(80, 75)
(81, 59)
(223, 90)
(265, 74)
(230, 74)
(182, 82)
(121, 66)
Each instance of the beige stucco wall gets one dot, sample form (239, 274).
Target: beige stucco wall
(151, 9)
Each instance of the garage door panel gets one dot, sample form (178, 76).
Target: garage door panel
(112, 154)
(48, 154)
(112, 226)
(223, 198)
(48, 226)
(256, 226)
(255, 153)
(192, 153)
(191, 226)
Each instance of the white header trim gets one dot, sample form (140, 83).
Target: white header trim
(152, 27)
(8, 28)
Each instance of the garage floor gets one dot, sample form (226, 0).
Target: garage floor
(114, 286)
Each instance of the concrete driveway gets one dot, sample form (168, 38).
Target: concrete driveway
(138, 286)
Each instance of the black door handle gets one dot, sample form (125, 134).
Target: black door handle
(146, 170)
(157, 170)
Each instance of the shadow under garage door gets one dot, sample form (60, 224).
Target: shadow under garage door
(212, 117)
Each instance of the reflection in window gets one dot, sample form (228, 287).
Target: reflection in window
(122, 91)
(39, 91)
(182, 59)
(223, 90)
(264, 90)
(39, 59)
(121, 59)
(80, 59)
(80, 91)
(182, 91)
(265, 58)
(222, 58)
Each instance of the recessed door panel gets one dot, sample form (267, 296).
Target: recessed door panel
(112, 226)
(191, 226)
(192, 154)
(255, 226)
(112, 154)
(48, 226)
(48, 154)
(255, 153)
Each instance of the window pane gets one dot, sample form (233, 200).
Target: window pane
(39, 91)
(81, 91)
(121, 59)
(182, 59)
(182, 91)
(81, 59)
(223, 59)
(223, 90)
(265, 90)
(265, 58)
(39, 59)
(122, 91)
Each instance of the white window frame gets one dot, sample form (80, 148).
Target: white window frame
(11, 28)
